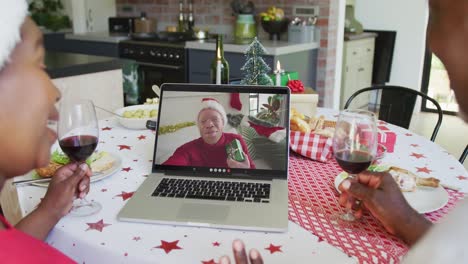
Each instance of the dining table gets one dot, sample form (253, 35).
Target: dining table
(313, 235)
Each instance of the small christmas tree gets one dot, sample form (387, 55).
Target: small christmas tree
(255, 68)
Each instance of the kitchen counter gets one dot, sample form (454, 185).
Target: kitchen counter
(63, 64)
(272, 47)
(98, 37)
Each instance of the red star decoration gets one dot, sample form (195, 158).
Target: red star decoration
(99, 225)
(121, 147)
(462, 178)
(418, 156)
(103, 190)
(168, 246)
(211, 261)
(414, 145)
(320, 239)
(216, 244)
(141, 137)
(126, 254)
(272, 248)
(424, 169)
(106, 128)
(135, 160)
(126, 195)
(408, 134)
(137, 238)
(127, 169)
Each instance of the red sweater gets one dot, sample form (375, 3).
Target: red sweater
(18, 247)
(197, 153)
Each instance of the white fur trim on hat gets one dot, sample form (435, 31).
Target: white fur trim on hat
(12, 15)
(212, 103)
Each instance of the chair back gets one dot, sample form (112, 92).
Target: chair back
(393, 104)
(464, 154)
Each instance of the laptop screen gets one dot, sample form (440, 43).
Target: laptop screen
(222, 129)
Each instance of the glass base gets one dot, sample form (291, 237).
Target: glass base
(85, 208)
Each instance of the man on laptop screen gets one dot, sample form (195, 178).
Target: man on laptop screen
(221, 154)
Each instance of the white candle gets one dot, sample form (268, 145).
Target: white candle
(218, 72)
(278, 73)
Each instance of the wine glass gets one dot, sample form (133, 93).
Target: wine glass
(355, 145)
(78, 134)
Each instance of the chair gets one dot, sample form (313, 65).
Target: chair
(463, 156)
(395, 104)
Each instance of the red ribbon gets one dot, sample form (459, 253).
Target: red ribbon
(296, 86)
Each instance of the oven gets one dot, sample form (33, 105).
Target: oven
(157, 62)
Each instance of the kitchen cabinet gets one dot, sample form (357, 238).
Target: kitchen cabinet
(58, 42)
(304, 62)
(358, 57)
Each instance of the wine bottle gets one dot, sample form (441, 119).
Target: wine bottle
(181, 20)
(191, 21)
(219, 66)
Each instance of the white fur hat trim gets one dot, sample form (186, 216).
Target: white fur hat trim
(212, 103)
(12, 15)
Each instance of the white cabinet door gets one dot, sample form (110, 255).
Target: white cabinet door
(92, 15)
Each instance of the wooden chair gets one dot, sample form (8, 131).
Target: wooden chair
(464, 154)
(393, 104)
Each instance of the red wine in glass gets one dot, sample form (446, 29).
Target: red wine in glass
(353, 162)
(78, 148)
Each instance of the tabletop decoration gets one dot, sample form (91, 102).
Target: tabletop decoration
(255, 68)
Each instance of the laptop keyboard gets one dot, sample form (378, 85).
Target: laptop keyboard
(214, 190)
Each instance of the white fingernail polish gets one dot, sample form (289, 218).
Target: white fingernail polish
(83, 166)
(346, 184)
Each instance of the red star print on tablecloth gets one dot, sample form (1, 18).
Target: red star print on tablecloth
(462, 178)
(136, 238)
(122, 147)
(216, 244)
(211, 261)
(417, 155)
(127, 169)
(414, 145)
(168, 246)
(99, 225)
(424, 169)
(408, 134)
(106, 128)
(125, 195)
(141, 137)
(103, 190)
(272, 248)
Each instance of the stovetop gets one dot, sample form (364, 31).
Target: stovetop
(160, 39)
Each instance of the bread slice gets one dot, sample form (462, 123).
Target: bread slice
(48, 171)
(102, 162)
(408, 181)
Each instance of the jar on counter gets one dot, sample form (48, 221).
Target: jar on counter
(245, 29)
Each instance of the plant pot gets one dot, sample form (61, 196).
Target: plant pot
(275, 27)
(245, 30)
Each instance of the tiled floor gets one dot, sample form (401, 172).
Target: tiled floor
(453, 134)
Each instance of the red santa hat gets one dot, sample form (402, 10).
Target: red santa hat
(211, 103)
(12, 15)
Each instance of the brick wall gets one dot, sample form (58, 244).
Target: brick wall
(218, 13)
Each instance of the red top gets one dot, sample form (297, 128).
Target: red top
(197, 153)
(18, 247)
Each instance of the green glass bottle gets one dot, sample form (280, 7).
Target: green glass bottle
(219, 65)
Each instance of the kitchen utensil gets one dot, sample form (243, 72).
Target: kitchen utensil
(144, 24)
(44, 180)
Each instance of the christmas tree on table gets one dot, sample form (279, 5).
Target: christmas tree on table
(255, 68)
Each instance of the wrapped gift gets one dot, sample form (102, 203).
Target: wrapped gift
(234, 151)
(313, 146)
(387, 138)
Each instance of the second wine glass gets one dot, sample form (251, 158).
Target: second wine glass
(355, 144)
(78, 134)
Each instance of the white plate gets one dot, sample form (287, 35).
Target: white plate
(115, 167)
(423, 200)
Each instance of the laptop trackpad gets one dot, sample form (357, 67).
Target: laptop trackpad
(193, 211)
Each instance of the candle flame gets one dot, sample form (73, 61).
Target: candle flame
(278, 66)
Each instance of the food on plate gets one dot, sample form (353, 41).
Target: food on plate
(98, 162)
(140, 113)
(408, 181)
(151, 101)
(316, 125)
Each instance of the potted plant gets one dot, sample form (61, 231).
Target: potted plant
(49, 14)
(270, 111)
(245, 29)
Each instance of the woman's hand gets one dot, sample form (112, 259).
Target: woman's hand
(69, 182)
(240, 256)
(384, 199)
(239, 165)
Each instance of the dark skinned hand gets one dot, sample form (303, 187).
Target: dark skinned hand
(240, 255)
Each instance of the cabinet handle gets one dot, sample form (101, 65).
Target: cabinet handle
(354, 53)
(369, 50)
(360, 69)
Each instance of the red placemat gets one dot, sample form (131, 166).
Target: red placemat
(313, 201)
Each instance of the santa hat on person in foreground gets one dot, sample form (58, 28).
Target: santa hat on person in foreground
(211, 103)
(12, 16)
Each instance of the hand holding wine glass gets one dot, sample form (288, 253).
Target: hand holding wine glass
(355, 144)
(78, 137)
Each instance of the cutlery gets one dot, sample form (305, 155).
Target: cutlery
(105, 110)
(44, 180)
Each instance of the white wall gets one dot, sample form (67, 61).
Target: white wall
(409, 19)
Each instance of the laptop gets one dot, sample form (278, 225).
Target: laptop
(237, 182)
